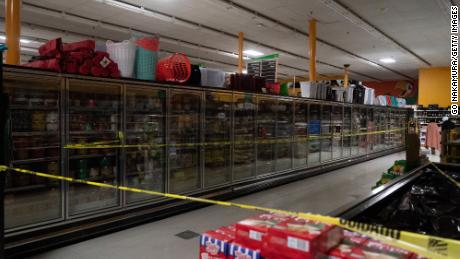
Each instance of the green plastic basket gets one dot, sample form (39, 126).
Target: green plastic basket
(146, 64)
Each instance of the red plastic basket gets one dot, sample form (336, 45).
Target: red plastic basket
(174, 68)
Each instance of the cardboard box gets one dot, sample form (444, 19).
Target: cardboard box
(341, 251)
(300, 238)
(214, 245)
(238, 251)
(373, 249)
(251, 232)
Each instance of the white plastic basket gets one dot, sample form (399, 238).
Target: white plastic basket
(212, 77)
(124, 54)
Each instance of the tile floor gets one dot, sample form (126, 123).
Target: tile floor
(319, 194)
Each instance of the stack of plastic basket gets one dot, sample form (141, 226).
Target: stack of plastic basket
(124, 54)
(174, 68)
(146, 58)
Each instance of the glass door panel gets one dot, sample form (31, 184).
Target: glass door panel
(314, 133)
(284, 132)
(244, 111)
(35, 145)
(217, 131)
(355, 130)
(300, 134)
(362, 131)
(337, 129)
(266, 135)
(145, 125)
(346, 131)
(184, 141)
(94, 115)
(371, 137)
(326, 133)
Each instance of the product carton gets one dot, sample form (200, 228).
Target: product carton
(373, 249)
(214, 245)
(238, 251)
(300, 238)
(250, 232)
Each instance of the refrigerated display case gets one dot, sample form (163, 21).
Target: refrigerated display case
(314, 134)
(35, 105)
(244, 147)
(94, 114)
(145, 166)
(185, 141)
(217, 136)
(179, 139)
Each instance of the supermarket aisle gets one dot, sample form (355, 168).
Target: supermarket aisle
(319, 194)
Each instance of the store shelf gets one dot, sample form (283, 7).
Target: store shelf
(34, 133)
(33, 108)
(30, 188)
(91, 156)
(93, 109)
(34, 160)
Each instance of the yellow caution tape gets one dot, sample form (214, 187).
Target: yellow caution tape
(280, 140)
(424, 245)
(445, 175)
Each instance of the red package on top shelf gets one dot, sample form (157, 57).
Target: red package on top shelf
(48, 64)
(51, 49)
(78, 46)
(250, 232)
(300, 239)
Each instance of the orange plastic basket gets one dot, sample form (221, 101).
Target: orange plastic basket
(174, 68)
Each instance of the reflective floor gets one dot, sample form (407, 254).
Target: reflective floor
(159, 240)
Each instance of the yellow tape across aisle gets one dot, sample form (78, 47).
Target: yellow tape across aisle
(424, 245)
(281, 140)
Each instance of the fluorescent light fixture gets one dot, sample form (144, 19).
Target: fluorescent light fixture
(245, 71)
(25, 41)
(253, 53)
(387, 60)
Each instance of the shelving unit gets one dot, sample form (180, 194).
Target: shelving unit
(425, 116)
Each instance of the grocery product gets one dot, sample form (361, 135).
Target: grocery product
(238, 251)
(214, 245)
(300, 238)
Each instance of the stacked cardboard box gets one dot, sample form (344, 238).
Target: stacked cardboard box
(275, 236)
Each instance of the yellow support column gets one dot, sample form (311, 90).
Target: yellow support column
(240, 52)
(345, 76)
(13, 30)
(312, 49)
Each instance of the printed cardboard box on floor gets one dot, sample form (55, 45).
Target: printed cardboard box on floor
(300, 238)
(215, 245)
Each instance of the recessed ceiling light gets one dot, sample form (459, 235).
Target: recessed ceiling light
(253, 53)
(387, 60)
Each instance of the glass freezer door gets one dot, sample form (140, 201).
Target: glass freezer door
(94, 115)
(314, 132)
(326, 133)
(347, 131)
(145, 125)
(217, 130)
(355, 130)
(284, 130)
(337, 129)
(185, 141)
(35, 145)
(363, 131)
(266, 133)
(244, 133)
(300, 134)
